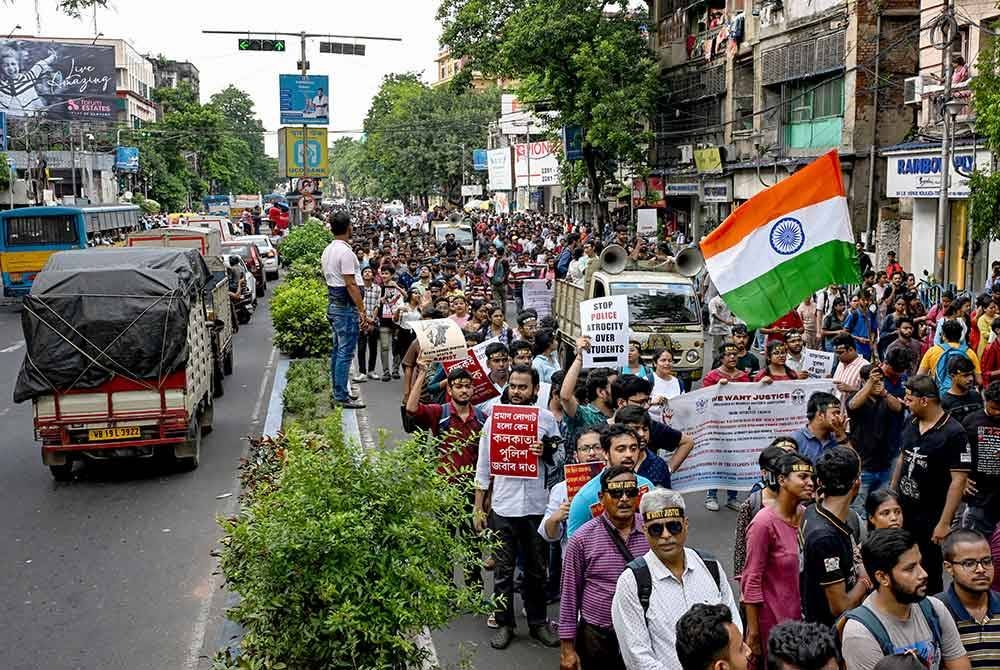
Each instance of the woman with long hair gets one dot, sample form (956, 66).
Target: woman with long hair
(882, 510)
(497, 327)
(635, 365)
(775, 369)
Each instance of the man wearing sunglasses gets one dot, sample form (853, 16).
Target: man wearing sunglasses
(595, 557)
(678, 576)
(971, 603)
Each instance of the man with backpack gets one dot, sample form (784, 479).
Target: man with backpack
(457, 422)
(659, 587)
(935, 362)
(899, 617)
(498, 278)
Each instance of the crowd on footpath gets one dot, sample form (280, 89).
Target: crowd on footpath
(841, 547)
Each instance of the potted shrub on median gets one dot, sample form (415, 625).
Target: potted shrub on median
(344, 556)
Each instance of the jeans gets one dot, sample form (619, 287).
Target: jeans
(870, 481)
(500, 295)
(520, 534)
(367, 345)
(597, 648)
(343, 319)
(386, 350)
(714, 495)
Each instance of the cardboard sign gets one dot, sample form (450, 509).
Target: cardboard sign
(440, 340)
(482, 388)
(538, 296)
(513, 430)
(645, 224)
(605, 322)
(578, 474)
(818, 363)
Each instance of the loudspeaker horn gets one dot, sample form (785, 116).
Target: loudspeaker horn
(614, 258)
(689, 261)
(455, 218)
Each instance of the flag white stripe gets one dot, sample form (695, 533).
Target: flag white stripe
(754, 256)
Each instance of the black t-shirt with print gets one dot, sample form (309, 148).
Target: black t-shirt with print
(827, 558)
(961, 406)
(927, 463)
(983, 432)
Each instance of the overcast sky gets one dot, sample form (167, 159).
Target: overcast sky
(173, 28)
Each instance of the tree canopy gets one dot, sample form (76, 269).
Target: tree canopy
(588, 60)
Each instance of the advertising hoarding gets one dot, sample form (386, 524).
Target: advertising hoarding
(302, 156)
(127, 159)
(57, 80)
(304, 99)
(544, 163)
(499, 169)
(479, 159)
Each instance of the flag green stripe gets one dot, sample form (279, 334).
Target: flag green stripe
(762, 300)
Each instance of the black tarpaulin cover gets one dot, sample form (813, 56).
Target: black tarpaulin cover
(96, 313)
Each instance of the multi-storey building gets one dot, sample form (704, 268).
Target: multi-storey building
(755, 89)
(169, 73)
(914, 168)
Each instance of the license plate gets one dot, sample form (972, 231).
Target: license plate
(100, 434)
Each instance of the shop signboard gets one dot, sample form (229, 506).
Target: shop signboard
(541, 158)
(716, 191)
(655, 195)
(57, 80)
(918, 174)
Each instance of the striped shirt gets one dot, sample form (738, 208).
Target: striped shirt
(590, 571)
(981, 639)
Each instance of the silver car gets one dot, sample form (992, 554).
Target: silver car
(267, 251)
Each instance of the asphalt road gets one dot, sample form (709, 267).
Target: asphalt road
(113, 570)
(467, 638)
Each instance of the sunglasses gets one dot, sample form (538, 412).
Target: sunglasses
(618, 494)
(673, 527)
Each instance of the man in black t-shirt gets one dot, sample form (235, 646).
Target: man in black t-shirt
(873, 412)
(962, 399)
(982, 510)
(931, 473)
(747, 361)
(831, 581)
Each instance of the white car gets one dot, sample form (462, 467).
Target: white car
(267, 251)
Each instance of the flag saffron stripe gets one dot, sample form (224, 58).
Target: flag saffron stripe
(818, 181)
(762, 300)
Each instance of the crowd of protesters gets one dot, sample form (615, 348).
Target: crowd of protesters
(841, 548)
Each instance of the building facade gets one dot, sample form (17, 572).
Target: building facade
(170, 73)
(752, 91)
(914, 168)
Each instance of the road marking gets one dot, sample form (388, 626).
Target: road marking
(255, 417)
(216, 578)
(12, 348)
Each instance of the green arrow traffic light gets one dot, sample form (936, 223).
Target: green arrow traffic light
(279, 45)
(244, 45)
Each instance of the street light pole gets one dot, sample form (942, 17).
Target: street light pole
(940, 230)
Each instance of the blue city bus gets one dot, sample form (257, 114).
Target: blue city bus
(28, 236)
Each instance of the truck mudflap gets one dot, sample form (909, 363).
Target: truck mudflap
(62, 431)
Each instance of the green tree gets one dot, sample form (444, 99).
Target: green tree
(348, 165)
(237, 108)
(984, 201)
(588, 60)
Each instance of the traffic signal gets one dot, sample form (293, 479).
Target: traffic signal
(248, 44)
(342, 48)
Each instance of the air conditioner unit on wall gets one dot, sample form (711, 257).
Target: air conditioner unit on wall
(687, 153)
(913, 89)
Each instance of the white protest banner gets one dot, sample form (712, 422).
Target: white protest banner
(605, 322)
(731, 424)
(538, 296)
(645, 224)
(440, 340)
(818, 363)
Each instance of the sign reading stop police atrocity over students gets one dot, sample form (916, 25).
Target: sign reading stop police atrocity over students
(605, 322)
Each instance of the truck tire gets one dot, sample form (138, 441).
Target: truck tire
(218, 390)
(62, 473)
(227, 361)
(208, 418)
(261, 287)
(243, 316)
(193, 443)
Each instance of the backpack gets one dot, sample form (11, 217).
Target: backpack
(644, 579)
(941, 369)
(500, 270)
(869, 620)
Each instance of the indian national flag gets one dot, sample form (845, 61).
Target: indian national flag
(783, 244)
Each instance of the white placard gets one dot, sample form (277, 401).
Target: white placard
(472, 189)
(731, 424)
(440, 340)
(606, 322)
(538, 296)
(818, 363)
(645, 224)
(498, 169)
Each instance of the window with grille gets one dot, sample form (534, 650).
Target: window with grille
(30, 230)
(808, 101)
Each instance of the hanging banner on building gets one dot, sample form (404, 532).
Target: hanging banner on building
(818, 363)
(731, 424)
(57, 80)
(638, 192)
(572, 139)
(479, 161)
(440, 340)
(538, 296)
(304, 99)
(127, 159)
(498, 170)
(605, 322)
(541, 158)
(513, 431)
(655, 192)
(708, 161)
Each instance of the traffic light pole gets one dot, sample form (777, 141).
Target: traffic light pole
(297, 213)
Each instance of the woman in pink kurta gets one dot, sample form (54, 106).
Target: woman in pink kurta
(770, 581)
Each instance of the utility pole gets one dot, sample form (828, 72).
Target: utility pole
(940, 228)
(72, 159)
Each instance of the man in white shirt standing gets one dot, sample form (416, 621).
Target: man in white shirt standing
(346, 310)
(677, 578)
(518, 506)
(720, 325)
